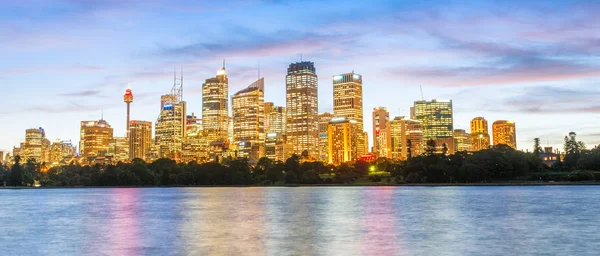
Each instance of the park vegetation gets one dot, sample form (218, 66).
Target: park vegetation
(496, 164)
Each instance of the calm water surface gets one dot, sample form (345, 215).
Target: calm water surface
(549, 220)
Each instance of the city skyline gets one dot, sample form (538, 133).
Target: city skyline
(53, 79)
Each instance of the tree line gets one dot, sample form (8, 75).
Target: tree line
(496, 164)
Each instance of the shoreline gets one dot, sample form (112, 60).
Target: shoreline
(497, 184)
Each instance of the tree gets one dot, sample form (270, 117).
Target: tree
(430, 149)
(16, 173)
(537, 149)
(573, 149)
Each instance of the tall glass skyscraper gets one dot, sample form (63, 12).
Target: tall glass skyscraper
(302, 108)
(249, 120)
(348, 102)
(505, 132)
(215, 107)
(436, 117)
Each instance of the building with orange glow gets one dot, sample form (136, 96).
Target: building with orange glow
(215, 107)
(62, 153)
(342, 140)
(505, 132)
(324, 119)
(119, 150)
(36, 146)
(95, 138)
(436, 117)
(462, 140)
(302, 107)
(480, 137)
(140, 139)
(348, 102)
(382, 136)
(276, 147)
(249, 120)
(406, 137)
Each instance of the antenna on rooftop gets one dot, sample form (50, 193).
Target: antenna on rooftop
(422, 97)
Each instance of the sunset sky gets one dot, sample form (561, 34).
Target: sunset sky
(537, 63)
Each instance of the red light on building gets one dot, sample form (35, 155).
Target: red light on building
(368, 157)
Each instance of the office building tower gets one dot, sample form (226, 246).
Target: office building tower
(119, 150)
(169, 130)
(302, 108)
(249, 120)
(406, 137)
(95, 138)
(276, 119)
(480, 137)
(462, 140)
(324, 119)
(36, 146)
(140, 139)
(276, 147)
(348, 102)
(436, 117)
(342, 140)
(215, 107)
(382, 140)
(504, 132)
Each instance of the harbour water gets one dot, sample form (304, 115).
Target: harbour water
(505, 220)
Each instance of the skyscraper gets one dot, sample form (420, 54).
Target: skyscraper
(436, 116)
(36, 146)
(119, 149)
(324, 119)
(342, 140)
(505, 132)
(348, 102)
(302, 108)
(140, 139)
(95, 138)
(406, 137)
(480, 137)
(276, 147)
(170, 125)
(382, 140)
(249, 120)
(462, 140)
(276, 119)
(215, 107)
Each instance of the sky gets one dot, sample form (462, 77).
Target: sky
(536, 63)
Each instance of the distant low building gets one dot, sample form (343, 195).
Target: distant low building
(549, 157)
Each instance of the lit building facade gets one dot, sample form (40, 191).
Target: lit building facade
(62, 153)
(382, 136)
(462, 140)
(249, 120)
(348, 102)
(119, 149)
(215, 107)
(275, 119)
(436, 117)
(276, 147)
(36, 146)
(505, 132)
(324, 119)
(169, 131)
(342, 140)
(302, 108)
(95, 138)
(406, 137)
(140, 139)
(195, 145)
(480, 137)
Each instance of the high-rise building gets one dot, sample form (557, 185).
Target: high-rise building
(215, 107)
(480, 137)
(504, 132)
(342, 140)
(275, 119)
(61, 152)
(169, 130)
(436, 117)
(302, 108)
(268, 106)
(36, 146)
(140, 139)
(119, 149)
(95, 138)
(195, 144)
(462, 140)
(348, 102)
(406, 137)
(382, 140)
(276, 147)
(324, 119)
(249, 120)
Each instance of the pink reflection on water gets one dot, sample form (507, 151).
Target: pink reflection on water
(124, 236)
(379, 234)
